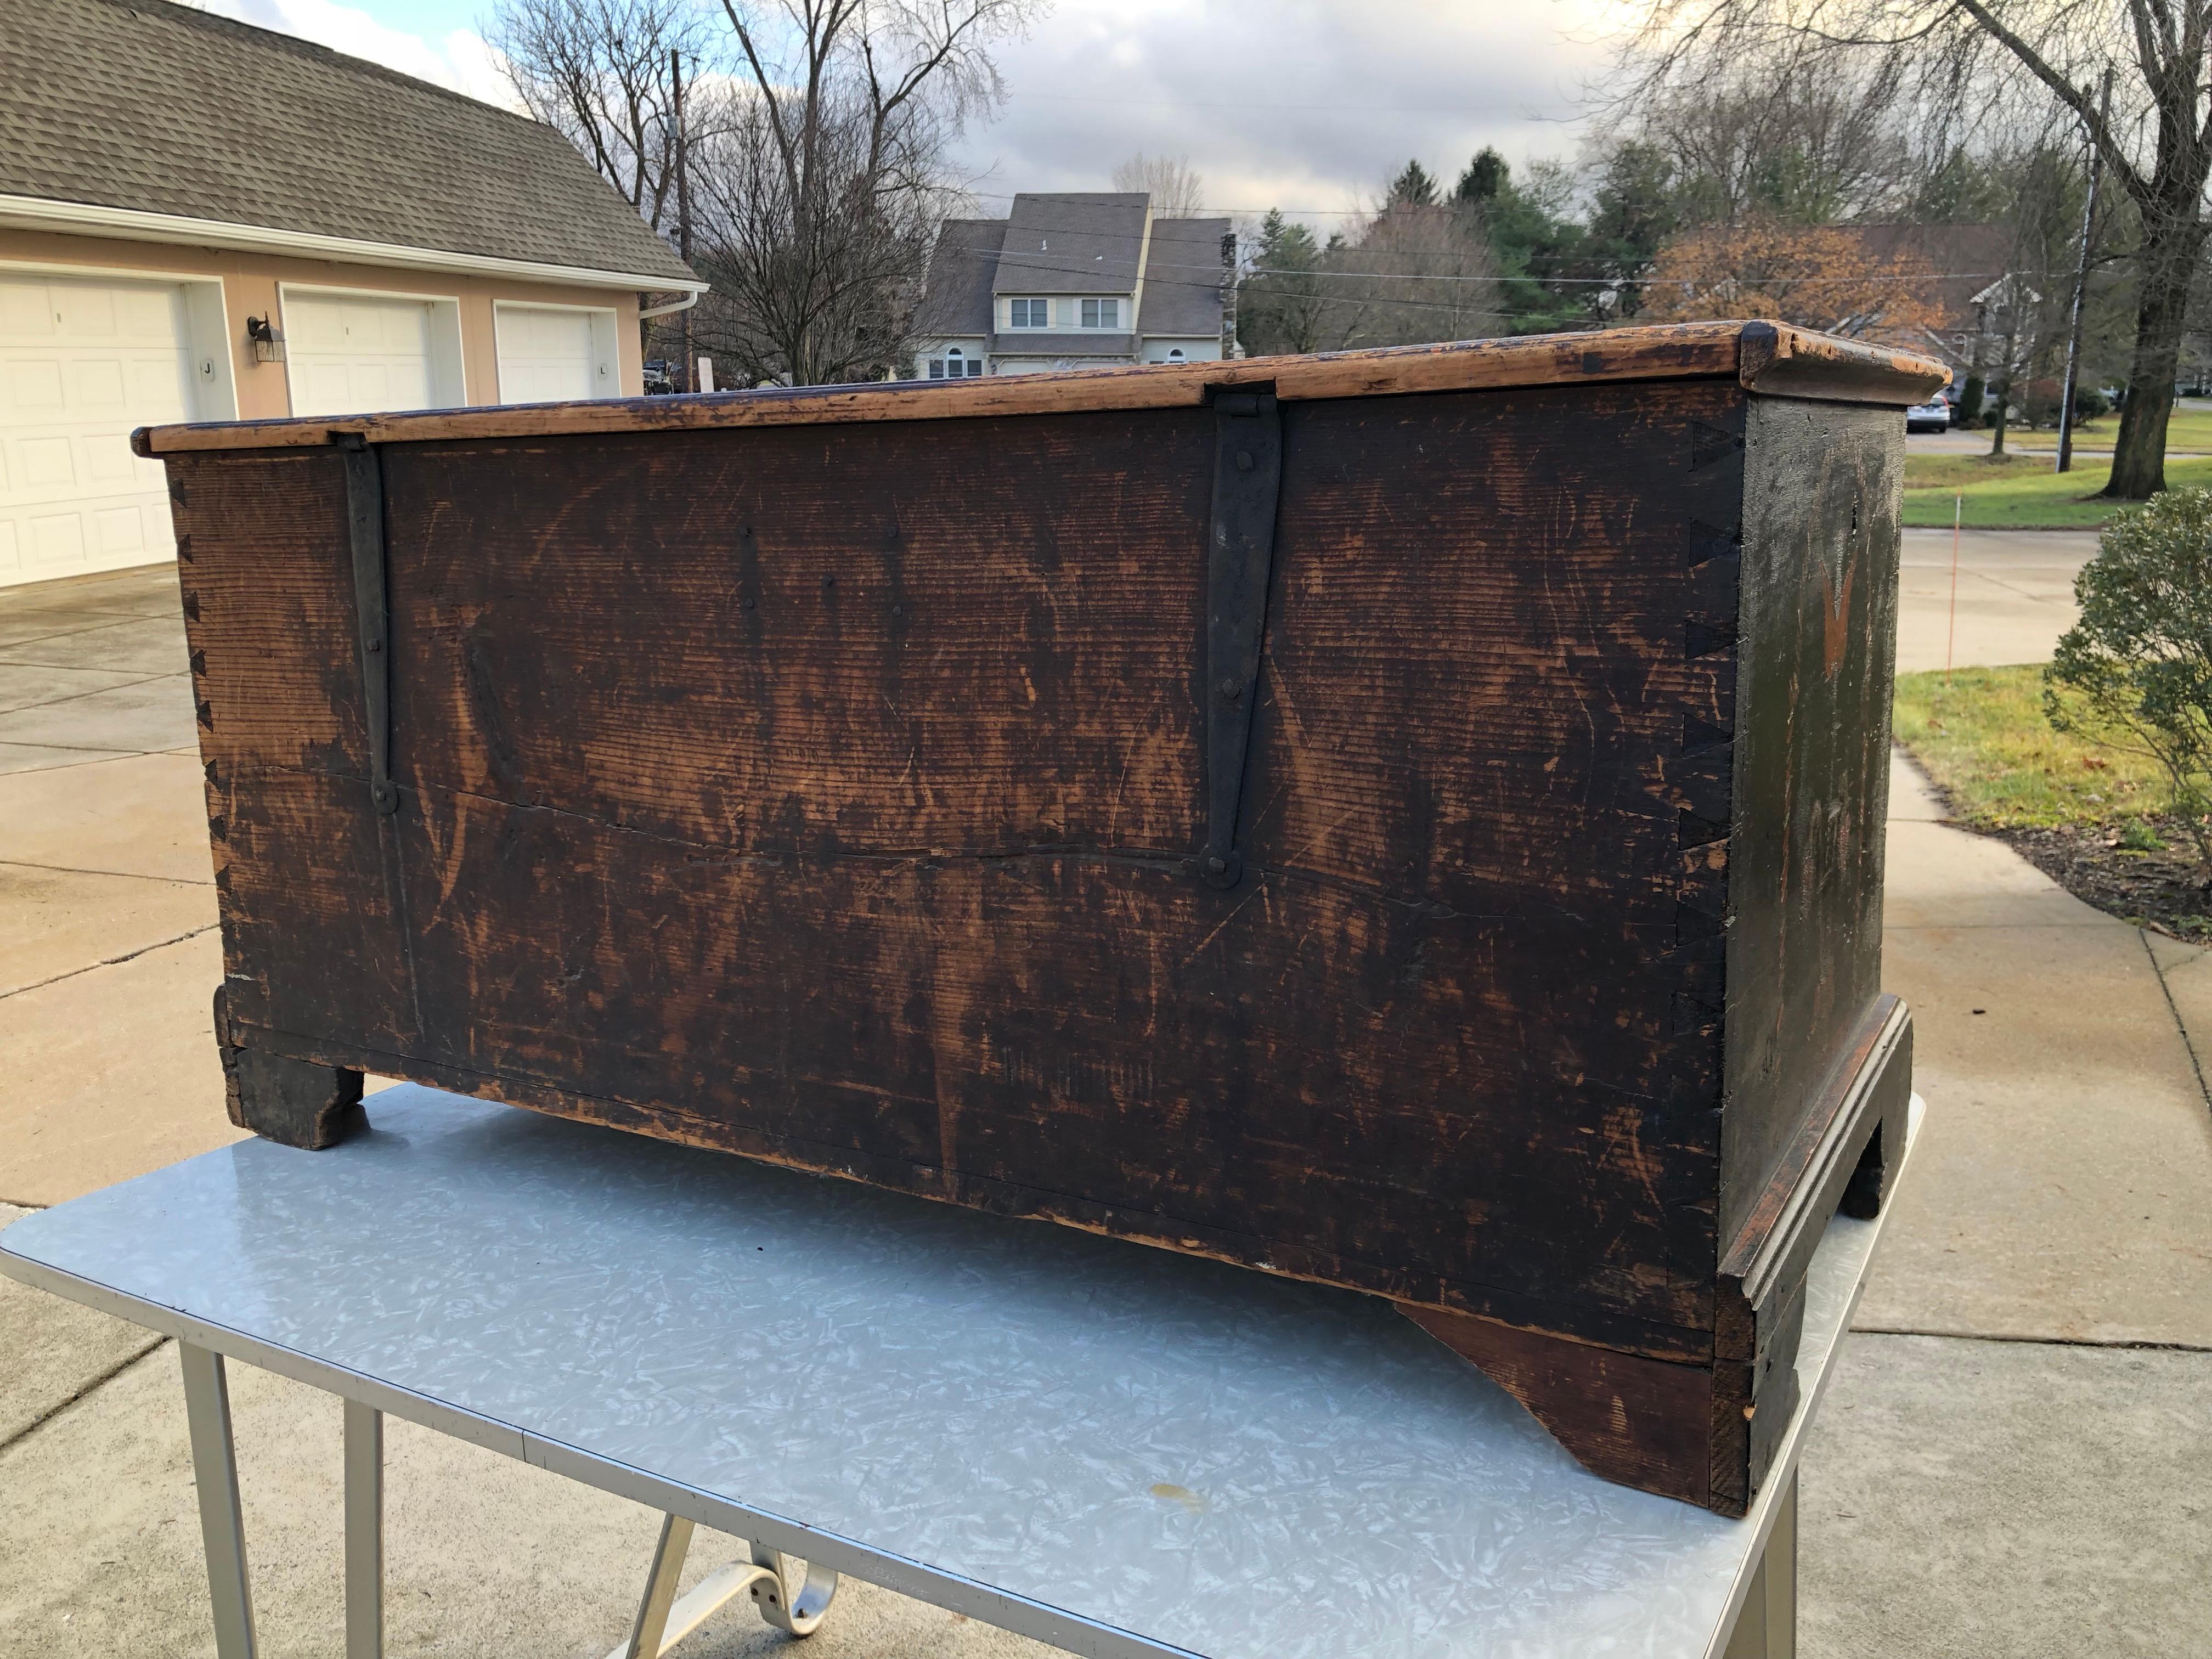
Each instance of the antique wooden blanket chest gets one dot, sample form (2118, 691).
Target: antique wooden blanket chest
(1407, 819)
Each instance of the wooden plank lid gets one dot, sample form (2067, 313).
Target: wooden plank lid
(1775, 359)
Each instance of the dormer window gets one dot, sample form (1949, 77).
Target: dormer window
(1102, 313)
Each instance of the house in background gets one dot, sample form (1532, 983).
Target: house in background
(204, 220)
(1076, 280)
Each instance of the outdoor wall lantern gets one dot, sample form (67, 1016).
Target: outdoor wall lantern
(268, 343)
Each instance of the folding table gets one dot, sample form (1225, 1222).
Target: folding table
(1110, 1447)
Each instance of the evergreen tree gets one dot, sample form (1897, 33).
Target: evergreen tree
(1280, 305)
(1486, 176)
(1412, 188)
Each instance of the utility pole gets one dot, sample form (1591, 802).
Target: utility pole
(2081, 288)
(682, 196)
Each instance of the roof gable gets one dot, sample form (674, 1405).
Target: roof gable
(158, 108)
(1073, 243)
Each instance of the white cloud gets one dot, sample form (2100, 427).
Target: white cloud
(459, 59)
(1311, 104)
(1302, 103)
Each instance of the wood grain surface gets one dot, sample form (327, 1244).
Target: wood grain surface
(831, 793)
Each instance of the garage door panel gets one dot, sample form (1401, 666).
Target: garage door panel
(155, 393)
(98, 384)
(142, 314)
(26, 313)
(354, 355)
(82, 362)
(86, 312)
(34, 386)
(49, 464)
(120, 530)
(550, 356)
(57, 543)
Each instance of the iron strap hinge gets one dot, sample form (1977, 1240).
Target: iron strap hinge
(1247, 476)
(364, 472)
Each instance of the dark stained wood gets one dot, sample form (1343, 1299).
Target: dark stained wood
(1817, 627)
(831, 793)
(295, 1102)
(1645, 1423)
(1760, 356)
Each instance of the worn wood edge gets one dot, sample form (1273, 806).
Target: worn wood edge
(1667, 351)
(1805, 1189)
(1604, 1330)
(1778, 360)
(1640, 1422)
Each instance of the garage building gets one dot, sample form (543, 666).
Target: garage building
(200, 219)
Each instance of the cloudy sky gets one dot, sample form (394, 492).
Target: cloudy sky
(1307, 105)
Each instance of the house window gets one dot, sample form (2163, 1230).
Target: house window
(1175, 355)
(1102, 313)
(937, 368)
(1027, 313)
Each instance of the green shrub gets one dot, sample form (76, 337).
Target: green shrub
(2135, 672)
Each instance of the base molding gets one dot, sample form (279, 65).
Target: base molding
(1707, 1432)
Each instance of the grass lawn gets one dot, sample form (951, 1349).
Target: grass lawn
(2098, 821)
(2186, 428)
(2022, 492)
(1985, 743)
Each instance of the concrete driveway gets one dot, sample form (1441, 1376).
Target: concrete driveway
(2016, 1457)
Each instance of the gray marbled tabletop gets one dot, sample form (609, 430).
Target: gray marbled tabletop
(1112, 1447)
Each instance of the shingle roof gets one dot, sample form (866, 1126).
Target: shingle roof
(957, 299)
(1183, 277)
(1072, 244)
(1026, 345)
(158, 108)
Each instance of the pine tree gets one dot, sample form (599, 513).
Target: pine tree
(1412, 188)
(1486, 177)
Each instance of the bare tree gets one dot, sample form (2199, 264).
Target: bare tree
(1415, 273)
(1790, 139)
(802, 295)
(601, 73)
(2156, 143)
(829, 174)
(1168, 179)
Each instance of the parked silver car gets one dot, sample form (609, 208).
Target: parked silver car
(1934, 416)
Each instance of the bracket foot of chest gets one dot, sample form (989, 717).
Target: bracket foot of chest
(294, 1102)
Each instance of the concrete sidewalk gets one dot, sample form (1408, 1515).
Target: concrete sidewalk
(2014, 592)
(2013, 1461)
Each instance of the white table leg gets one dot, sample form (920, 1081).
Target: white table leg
(645, 1637)
(223, 1522)
(364, 1531)
(1766, 1628)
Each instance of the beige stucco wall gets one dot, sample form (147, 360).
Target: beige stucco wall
(250, 282)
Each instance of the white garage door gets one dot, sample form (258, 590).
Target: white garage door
(82, 362)
(550, 356)
(354, 354)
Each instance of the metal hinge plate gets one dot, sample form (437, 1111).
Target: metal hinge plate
(1247, 476)
(364, 472)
